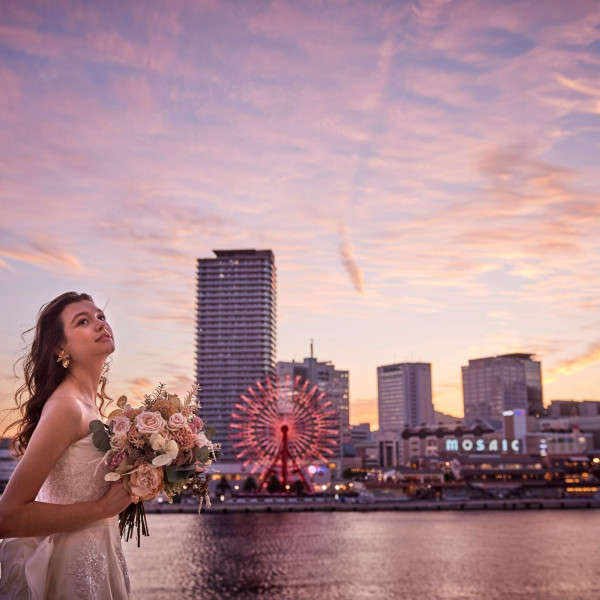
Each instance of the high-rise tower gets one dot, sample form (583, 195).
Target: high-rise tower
(404, 396)
(236, 328)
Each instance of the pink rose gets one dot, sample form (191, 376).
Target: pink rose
(121, 424)
(196, 424)
(150, 422)
(146, 482)
(177, 421)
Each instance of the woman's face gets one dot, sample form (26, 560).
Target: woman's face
(87, 334)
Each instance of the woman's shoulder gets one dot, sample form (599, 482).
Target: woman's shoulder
(61, 423)
(65, 408)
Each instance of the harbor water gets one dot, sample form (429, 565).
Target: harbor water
(447, 555)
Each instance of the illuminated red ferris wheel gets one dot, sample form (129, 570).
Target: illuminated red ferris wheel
(281, 426)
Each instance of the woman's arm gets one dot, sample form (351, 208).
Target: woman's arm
(61, 424)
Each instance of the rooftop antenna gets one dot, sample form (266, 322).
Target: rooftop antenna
(311, 348)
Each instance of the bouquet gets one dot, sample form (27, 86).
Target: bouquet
(162, 446)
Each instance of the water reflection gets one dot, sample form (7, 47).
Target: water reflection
(549, 555)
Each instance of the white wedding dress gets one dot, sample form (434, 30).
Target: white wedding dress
(87, 563)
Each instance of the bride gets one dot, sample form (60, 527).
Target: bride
(58, 516)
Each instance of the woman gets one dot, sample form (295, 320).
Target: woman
(58, 516)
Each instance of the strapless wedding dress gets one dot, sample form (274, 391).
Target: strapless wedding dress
(87, 563)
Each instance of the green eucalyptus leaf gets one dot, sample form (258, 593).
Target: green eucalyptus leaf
(203, 454)
(101, 440)
(178, 474)
(97, 425)
(210, 432)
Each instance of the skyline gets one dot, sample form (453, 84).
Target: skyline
(425, 173)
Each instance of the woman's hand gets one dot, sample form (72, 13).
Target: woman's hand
(116, 499)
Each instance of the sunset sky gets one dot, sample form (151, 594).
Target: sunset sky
(426, 173)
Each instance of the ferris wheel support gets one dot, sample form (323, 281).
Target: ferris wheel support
(282, 457)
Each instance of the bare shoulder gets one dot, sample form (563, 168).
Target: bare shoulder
(60, 425)
(63, 405)
(63, 412)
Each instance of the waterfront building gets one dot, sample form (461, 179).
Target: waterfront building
(566, 476)
(360, 433)
(428, 442)
(558, 409)
(495, 384)
(514, 426)
(405, 483)
(331, 381)
(357, 434)
(582, 421)
(334, 384)
(404, 396)
(389, 449)
(431, 442)
(368, 452)
(488, 476)
(557, 441)
(236, 332)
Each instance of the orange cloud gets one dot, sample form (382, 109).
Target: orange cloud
(576, 364)
(364, 411)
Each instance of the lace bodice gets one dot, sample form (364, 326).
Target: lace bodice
(78, 476)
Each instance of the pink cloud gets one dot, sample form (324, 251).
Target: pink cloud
(454, 165)
(349, 263)
(42, 251)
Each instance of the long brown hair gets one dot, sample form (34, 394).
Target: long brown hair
(42, 373)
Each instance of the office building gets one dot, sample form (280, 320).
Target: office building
(236, 328)
(331, 381)
(495, 384)
(404, 396)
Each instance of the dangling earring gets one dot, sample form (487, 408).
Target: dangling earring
(63, 358)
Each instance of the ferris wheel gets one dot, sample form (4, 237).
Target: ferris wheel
(282, 426)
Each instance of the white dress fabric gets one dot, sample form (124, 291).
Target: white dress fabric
(87, 563)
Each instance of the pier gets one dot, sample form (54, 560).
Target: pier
(319, 505)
